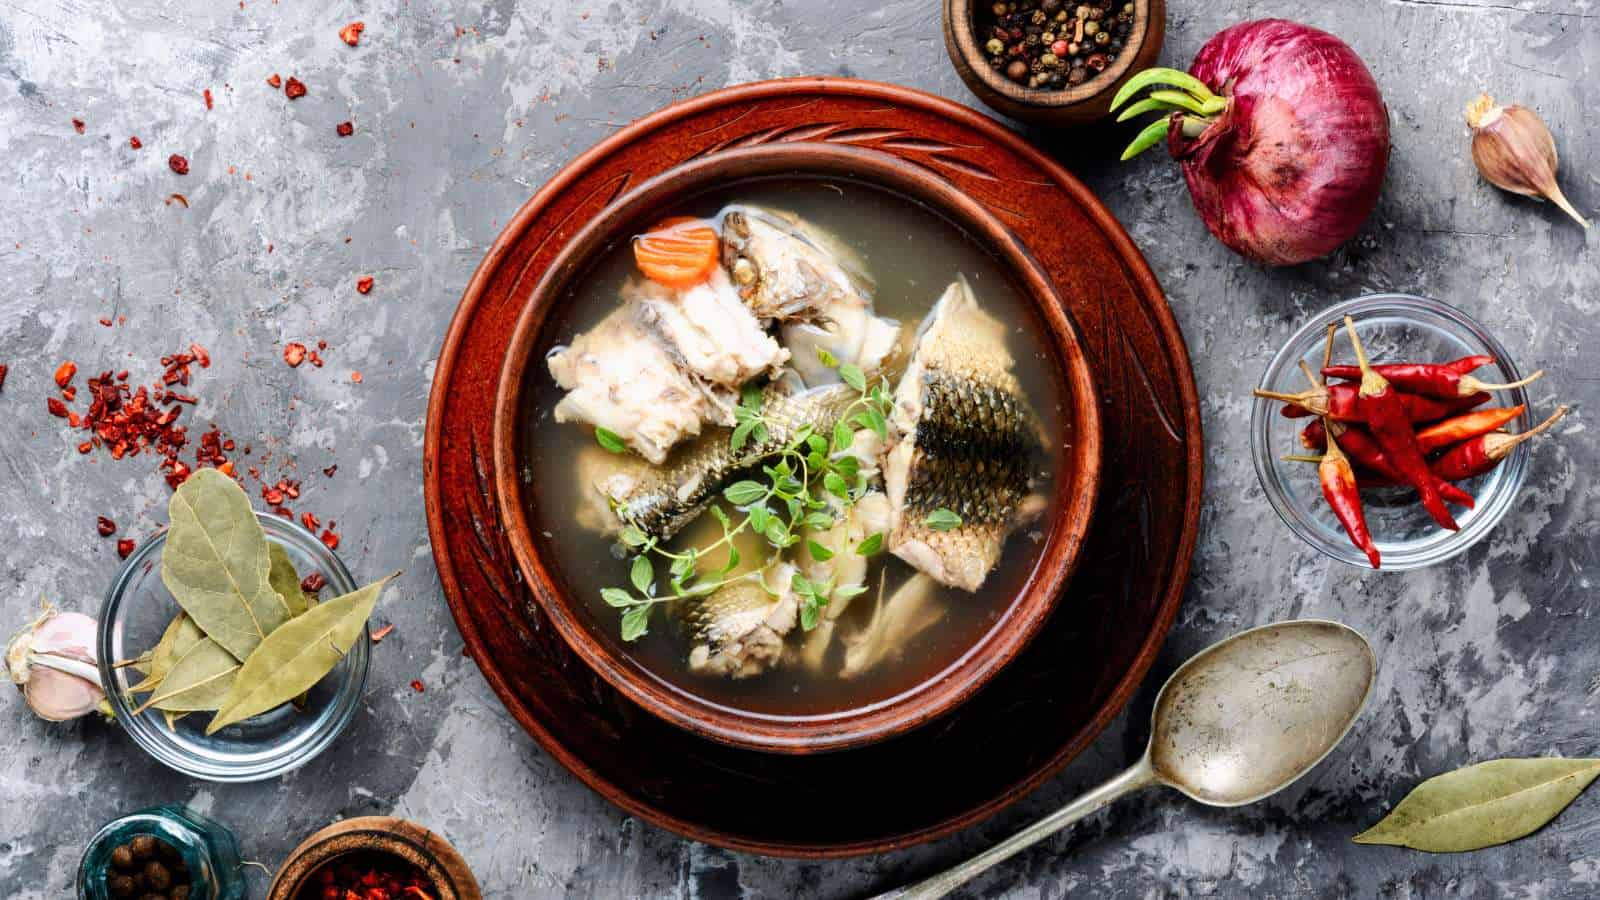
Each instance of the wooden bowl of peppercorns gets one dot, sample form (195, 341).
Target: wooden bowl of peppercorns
(1052, 62)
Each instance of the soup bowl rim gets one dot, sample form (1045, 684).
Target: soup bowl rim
(1022, 615)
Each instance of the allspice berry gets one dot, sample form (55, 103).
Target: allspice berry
(143, 847)
(120, 886)
(122, 857)
(181, 892)
(156, 876)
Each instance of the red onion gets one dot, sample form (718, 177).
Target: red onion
(1282, 135)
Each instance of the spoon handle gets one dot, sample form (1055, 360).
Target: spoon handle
(1139, 776)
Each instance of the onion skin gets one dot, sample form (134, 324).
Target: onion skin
(1293, 167)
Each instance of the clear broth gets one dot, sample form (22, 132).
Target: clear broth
(913, 253)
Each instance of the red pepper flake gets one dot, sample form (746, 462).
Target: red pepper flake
(381, 633)
(178, 165)
(311, 522)
(3, 370)
(105, 526)
(345, 129)
(314, 582)
(274, 81)
(86, 446)
(178, 198)
(294, 354)
(77, 125)
(125, 547)
(351, 34)
(135, 143)
(417, 686)
(294, 88)
(330, 539)
(64, 373)
(273, 496)
(207, 93)
(364, 284)
(328, 471)
(200, 355)
(56, 407)
(355, 377)
(106, 321)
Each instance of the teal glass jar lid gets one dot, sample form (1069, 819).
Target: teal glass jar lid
(189, 851)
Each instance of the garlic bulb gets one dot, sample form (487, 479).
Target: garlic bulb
(1514, 150)
(52, 661)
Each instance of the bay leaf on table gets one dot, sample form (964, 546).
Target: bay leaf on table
(179, 637)
(198, 680)
(1483, 805)
(216, 562)
(286, 581)
(297, 655)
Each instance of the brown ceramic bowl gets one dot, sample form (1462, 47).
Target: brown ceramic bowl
(1076, 478)
(372, 839)
(1078, 105)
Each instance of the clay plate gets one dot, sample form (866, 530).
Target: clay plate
(1076, 477)
(1036, 714)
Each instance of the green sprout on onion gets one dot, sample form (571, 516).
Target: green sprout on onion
(1184, 95)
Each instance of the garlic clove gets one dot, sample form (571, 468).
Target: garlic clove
(1515, 151)
(56, 696)
(52, 661)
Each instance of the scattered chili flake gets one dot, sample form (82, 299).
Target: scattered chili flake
(351, 34)
(294, 88)
(3, 370)
(64, 373)
(328, 471)
(364, 284)
(310, 521)
(330, 539)
(294, 354)
(77, 125)
(178, 164)
(355, 377)
(56, 407)
(135, 143)
(417, 686)
(125, 547)
(272, 495)
(345, 129)
(105, 526)
(202, 357)
(179, 198)
(106, 321)
(86, 446)
(207, 94)
(316, 359)
(382, 633)
(314, 582)
(274, 80)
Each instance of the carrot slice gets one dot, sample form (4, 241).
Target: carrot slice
(678, 252)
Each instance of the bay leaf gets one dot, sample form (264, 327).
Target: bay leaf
(1483, 805)
(286, 581)
(298, 655)
(172, 718)
(198, 680)
(179, 637)
(216, 563)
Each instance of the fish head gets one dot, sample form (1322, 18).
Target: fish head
(783, 268)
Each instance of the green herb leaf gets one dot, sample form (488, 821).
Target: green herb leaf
(873, 419)
(216, 562)
(1483, 805)
(617, 597)
(777, 534)
(818, 444)
(820, 521)
(843, 437)
(826, 358)
(819, 552)
(720, 516)
(761, 432)
(198, 680)
(632, 536)
(847, 591)
(852, 375)
(870, 546)
(750, 397)
(741, 434)
(609, 439)
(759, 517)
(641, 574)
(285, 580)
(683, 566)
(636, 622)
(943, 519)
(744, 493)
(835, 484)
(847, 466)
(296, 656)
(733, 560)
(810, 614)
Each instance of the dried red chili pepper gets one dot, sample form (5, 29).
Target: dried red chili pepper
(1443, 380)
(1461, 428)
(294, 88)
(364, 284)
(1481, 454)
(1359, 445)
(1339, 488)
(64, 373)
(178, 164)
(1341, 402)
(344, 129)
(1386, 418)
(294, 354)
(105, 526)
(351, 34)
(125, 547)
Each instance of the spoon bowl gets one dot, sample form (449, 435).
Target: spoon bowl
(1240, 721)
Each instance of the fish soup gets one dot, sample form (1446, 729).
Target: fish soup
(832, 382)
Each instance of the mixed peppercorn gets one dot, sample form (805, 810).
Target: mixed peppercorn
(1405, 424)
(1051, 45)
(368, 878)
(148, 868)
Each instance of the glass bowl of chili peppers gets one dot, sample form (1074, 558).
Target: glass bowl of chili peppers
(1433, 431)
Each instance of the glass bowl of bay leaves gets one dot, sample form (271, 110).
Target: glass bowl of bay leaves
(215, 712)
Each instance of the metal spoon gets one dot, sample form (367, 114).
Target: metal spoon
(1237, 723)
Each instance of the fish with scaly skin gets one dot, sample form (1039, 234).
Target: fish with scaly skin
(967, 441)
(660, 501)
(737, 631)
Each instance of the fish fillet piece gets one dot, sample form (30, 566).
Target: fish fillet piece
(908, 612)
(618, 376)
(966, 441)
(737, 630)
(708, 329)
(868, 516)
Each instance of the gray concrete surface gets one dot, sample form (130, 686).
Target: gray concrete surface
(461, 110)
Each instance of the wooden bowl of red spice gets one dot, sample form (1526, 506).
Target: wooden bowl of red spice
(1052, 62)
(374, 857)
